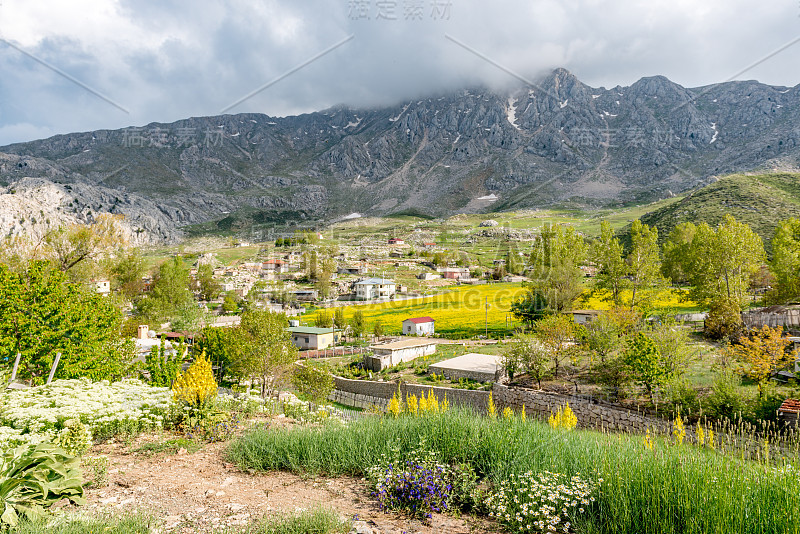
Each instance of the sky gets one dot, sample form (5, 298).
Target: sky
(79, 65)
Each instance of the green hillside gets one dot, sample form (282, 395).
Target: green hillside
(759, 200)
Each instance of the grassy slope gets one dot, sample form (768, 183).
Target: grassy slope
(672, 489)
(761, 201)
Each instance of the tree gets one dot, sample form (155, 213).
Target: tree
(644, 263)
(724, 320)
(762, 353)
(164, 365)
(358, 323)
(377, 328)
(673, 344)
(209, 287)
(313, 380)
(786, 261)
(338, 317)
(127, 271)
(614, 375)
(42, 313)
(531, 307)
(323, 319)
(169, 292)
(222, 347)
(555, 261)
(230, 303)
(513, 263)
(604, 336)
(606, 253)
(189, 317)
(267, 348)
(723, 261)
(70, 245)
(678, 253)
(645, 361)
(526, 354)
(555, 332)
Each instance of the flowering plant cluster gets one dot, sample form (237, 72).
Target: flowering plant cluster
(38, 414)
(547, 502)
(564, 418)
(418, 484)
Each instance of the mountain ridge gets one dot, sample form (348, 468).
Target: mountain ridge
(560, 142)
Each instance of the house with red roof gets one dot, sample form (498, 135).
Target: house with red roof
(418, 326)
(789, 412)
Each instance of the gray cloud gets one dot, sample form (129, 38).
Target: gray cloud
(166, 60)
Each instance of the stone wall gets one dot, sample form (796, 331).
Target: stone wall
(363, 393)
(591, 413)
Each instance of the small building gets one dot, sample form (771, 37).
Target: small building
(313, 337)
(428, 276)
(418, 326)
(375, 288)
(390, 354)
(473, 366)
(276, 266)
(584, 316)
(306, 295)
(789, 412)
(351, 270)
(454, 273)
(102, 287)
(396, 241)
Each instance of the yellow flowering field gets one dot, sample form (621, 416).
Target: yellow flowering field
(460, 311)
(669, 300)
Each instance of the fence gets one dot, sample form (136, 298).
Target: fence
(330, 353)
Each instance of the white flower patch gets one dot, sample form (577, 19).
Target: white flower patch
(101, 406)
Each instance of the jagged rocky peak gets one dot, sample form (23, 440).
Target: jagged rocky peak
(436, 154)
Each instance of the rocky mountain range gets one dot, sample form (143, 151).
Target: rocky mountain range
(559, 142)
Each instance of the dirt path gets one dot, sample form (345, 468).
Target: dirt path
(200, 492)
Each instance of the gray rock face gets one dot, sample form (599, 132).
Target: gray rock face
(559, 142)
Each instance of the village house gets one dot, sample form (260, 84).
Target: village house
(584, 316)
(428, 276)
(454, 273)
(102, 287)
(375, 288)
(313, 338)
(789, 412)
(418, 326)
(396, 241)
(276, 266)
(390, 354)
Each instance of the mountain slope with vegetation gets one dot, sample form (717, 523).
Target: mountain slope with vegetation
(761, 201)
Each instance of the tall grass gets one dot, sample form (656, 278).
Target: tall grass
(669, 489)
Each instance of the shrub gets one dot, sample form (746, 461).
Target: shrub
(313, 380)
(724, 321)
(34, 477)
(196, 386)
(75, 438)
(725, 402)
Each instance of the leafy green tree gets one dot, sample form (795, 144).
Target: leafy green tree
(266, 348)
(606, 253)
(222, 347)
(313, 380)
(188, 318)
(555, 262)
(209, 287)
(358, 323)
(645, 361)
(678, 253)
(323, 319)
(127, 271)
(604, 336)
(531, 307)
(673, 343)
(164, 365)
(377, 328)
(786, 261)
(42, 313)
(723, 260)
(644, 264)
(526, 354)
(230, 304)
(513, 263)
(724, 320)
(338, 317)
(169, 293)
(556, 333)
(614, 375)
(762, 353)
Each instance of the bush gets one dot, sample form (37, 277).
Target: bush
(313, 380)
(197, 385)
(682, 397)
(724, 321)
(725, 401)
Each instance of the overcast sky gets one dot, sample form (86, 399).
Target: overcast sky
(163, 60)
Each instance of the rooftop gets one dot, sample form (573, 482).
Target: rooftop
(310, 330)
(790, 406)
(375, 281)
(420, 320)
(404, 344)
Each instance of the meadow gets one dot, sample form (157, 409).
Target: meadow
(645, 485)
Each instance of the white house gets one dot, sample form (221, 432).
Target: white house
(375, 288)
(418, 326)
(103, 287)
